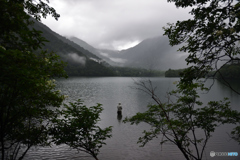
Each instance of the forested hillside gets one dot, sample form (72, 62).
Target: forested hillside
(80, 62)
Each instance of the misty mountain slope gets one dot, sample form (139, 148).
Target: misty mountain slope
(153, 53)
(103, 54)
(83, 44)
(79, 60)
(54, 37)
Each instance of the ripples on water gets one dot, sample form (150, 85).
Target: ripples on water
(123, 144)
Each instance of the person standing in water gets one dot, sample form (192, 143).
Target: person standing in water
(119, 109)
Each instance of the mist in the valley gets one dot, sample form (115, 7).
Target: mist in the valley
(74, 58)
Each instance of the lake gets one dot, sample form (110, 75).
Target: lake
(109, 91)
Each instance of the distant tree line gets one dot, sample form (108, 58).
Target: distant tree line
(94, 69)
(90, 69)
(136, 72)
(173, 73)
(227, 72)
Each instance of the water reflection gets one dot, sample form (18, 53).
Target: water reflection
(119, 117)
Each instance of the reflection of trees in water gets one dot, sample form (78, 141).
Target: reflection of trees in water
(119, 117)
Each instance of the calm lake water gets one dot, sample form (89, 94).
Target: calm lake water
(109, 91)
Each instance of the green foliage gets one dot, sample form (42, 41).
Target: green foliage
(210, 37)
(77, 127)
(27, 88)
(235, 134)
(15, 32)
(181, 122)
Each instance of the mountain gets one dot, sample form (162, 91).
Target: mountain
(80, 61)
(153, 53)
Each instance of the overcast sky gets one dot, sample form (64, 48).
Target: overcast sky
(113, 24)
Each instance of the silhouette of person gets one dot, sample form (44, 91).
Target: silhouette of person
(119, 109)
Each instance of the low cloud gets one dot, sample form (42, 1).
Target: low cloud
(104, 54)
(76, 58)
(118, 60)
